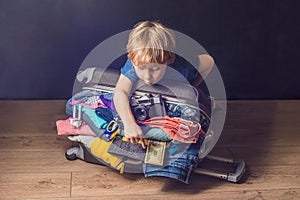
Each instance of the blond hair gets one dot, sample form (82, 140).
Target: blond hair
(150, 42)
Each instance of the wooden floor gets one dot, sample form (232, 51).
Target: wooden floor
(263, 133)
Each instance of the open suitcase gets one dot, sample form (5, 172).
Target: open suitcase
(174, 97)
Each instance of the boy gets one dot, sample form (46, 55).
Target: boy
(150, 50)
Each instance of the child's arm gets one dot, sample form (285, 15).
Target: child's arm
(206, 65)
(131, 130)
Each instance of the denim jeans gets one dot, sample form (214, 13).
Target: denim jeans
(178, 164)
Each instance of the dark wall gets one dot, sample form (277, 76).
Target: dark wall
(254, 43)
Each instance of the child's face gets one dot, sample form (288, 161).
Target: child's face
(151, 73)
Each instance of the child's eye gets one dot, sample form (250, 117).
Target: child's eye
(154, 68)
(141, 68)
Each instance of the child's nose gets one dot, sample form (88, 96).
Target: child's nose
(148, 75)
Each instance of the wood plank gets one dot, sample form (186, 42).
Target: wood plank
(30, 117)
(34, 185)
(268, 123)
(291, 194)
(261, 156)
(259, 178)
(283, 136)
(33, 143)
(262, 114)
(107, 183)
(281, 194)
(42, 161)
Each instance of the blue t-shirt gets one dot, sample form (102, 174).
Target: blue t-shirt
(179, 69)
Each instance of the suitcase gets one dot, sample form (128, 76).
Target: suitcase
(179, 95)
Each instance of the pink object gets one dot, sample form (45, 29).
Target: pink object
(179, 129)
(93, 106)
(65, 128)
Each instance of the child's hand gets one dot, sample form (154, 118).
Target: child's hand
(134, 133)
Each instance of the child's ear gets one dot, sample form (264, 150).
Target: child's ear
(171, 59)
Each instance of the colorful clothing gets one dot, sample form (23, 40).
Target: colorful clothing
(179, 129)
(64, 128)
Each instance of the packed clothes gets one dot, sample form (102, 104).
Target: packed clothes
(182, 137)
(179, 129)
(65, 128)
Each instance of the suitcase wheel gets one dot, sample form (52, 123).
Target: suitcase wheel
(71, 154)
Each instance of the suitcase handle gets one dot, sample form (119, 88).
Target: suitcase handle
(240, 169)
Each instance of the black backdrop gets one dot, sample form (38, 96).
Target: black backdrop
(254, 42)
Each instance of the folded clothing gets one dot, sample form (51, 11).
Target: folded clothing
(105, 114)
(152, 133)
(65, 128)
(172, 127)
(107, 99)
(100, 147)
(95, 122)
(88, 99)
(90, 113)
(123, 148)
(179, 129)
